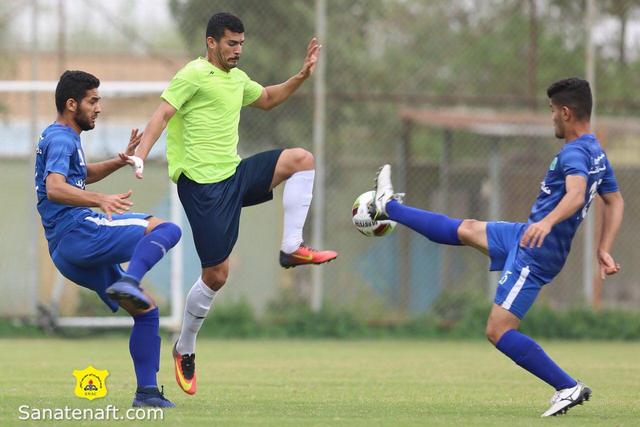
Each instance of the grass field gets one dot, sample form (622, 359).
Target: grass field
(362, 383)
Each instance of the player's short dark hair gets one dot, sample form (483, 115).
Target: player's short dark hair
(74, 84)
(223, 21)
(574, 93)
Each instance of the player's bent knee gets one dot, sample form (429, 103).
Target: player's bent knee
(154, 221)
(215, 280)
(307, 160)
(495, 331)
(170, 231)
(467, 229)
(472, 232)
(301, 159)
(491, 334)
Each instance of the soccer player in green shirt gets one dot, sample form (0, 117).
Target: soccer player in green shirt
(201, 108)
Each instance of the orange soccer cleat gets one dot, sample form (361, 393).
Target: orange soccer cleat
(185, 369)
(305, 255)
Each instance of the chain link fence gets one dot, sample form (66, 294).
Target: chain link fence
(451, 93)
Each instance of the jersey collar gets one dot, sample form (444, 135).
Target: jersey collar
(217, 71)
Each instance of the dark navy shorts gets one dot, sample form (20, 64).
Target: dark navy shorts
(213, 210)
(90, 254)
(519, 284)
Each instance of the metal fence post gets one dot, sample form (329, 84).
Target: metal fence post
(319, 117)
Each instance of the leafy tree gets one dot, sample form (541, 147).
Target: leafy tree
(621, 10)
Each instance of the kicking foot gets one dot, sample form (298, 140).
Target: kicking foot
(567, 398)
(185, 368)
(127, 289)
(151, 396)
(305, 255)
(383, 194)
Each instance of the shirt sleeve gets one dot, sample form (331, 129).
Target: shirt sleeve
(181, 89)
(574, 162)
(609, 183)
(58, 157)
(252, 91)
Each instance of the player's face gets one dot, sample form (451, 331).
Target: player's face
(558, 123)
(226, 52)
(87, 110)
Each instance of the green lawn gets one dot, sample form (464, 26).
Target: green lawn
(331, 382)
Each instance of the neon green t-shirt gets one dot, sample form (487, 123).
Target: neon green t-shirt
(202, 137)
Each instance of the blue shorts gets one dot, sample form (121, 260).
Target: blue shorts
(519, 285)
(213, 210)
(90, 253)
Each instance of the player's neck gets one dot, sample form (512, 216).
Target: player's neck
(65, 121)
(578, 130)
(212, 59)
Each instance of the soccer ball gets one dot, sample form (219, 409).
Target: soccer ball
(362, 220)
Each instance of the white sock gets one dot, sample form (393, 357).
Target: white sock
(199, 301)
(298, 191)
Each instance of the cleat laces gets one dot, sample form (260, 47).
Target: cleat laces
(187, 363)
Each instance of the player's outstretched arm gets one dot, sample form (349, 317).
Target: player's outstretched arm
(59, 191)
(575, 186)
(272, 96)
(611, 219)
(152, 132)
(100, 170)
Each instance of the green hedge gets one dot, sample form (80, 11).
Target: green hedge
(454, 315)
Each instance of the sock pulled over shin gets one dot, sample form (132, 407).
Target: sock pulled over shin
(527, 354)
(196, 308)
(434, 226)
(296, 199)
(151, 248)
(144, 346)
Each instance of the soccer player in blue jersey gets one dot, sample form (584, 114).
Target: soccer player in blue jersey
(87, 247)
(531, 254)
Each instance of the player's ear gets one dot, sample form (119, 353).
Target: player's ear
(71, 105)
(566, 113)
(211, 42)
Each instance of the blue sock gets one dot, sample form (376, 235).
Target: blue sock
(434, 226)
(151, 248)
(144, 346)
(530, 356)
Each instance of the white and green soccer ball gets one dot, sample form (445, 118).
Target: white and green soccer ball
(362, 220)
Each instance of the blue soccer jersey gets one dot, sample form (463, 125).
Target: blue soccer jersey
(59, 151)
(583, 156)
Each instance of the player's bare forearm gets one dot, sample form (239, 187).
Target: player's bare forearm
(151, 133)
(272, 96)
(99, 171)
(612, 215)
(154, 128)
(59, 191)
(568, 206)
(575, 187)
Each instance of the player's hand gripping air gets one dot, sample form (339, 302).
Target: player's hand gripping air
(137, 164)
(607, 264)
(310, 61)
